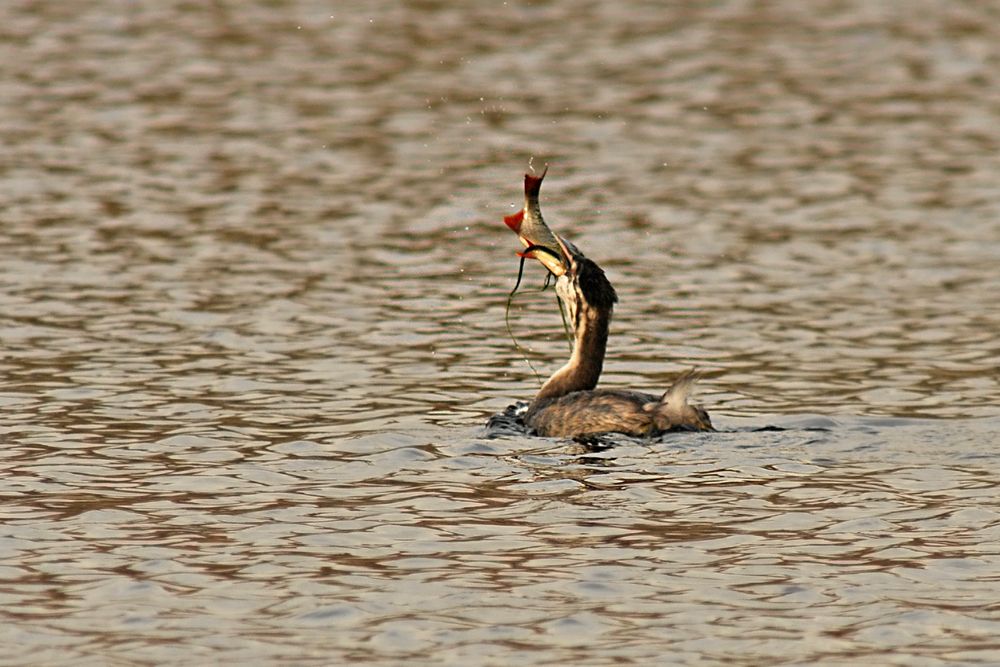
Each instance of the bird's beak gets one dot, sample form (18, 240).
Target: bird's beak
(553, 260)
(549, 258)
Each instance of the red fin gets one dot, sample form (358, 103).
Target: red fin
(532, 184)
(514, 221)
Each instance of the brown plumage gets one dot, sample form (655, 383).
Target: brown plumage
(584, 413)
(568, 405)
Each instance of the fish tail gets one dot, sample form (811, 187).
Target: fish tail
(533, 185)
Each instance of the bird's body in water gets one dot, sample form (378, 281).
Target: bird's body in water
(569, 404)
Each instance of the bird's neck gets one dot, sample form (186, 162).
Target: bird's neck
(583, 369)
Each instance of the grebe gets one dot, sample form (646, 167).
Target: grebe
(568, 405)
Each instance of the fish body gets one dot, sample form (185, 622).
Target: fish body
(529, 225)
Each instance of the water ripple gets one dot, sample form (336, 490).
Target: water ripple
(252, 289)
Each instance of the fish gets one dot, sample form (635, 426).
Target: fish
(540, 242)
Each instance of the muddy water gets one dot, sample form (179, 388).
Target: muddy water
(252, 323)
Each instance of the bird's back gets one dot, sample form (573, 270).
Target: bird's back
(596, 411)
(593, 412)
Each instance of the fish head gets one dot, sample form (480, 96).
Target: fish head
(557, 259)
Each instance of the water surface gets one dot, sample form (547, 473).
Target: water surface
(252, 288)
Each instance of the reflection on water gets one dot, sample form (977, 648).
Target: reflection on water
(252, 322)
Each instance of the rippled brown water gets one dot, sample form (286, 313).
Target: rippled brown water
(252, 323)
